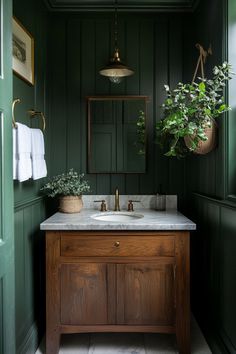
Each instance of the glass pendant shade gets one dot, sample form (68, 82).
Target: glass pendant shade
(116, 70)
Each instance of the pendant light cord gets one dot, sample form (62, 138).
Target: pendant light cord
(116, 26)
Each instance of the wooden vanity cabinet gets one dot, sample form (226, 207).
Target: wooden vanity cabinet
(120, 281)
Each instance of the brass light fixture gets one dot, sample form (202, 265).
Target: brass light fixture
(116, 70)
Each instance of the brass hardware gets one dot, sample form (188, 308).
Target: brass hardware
(117, 244)
(17, 100)
(103, 204)
(117, 200)
(34, 113)
(131, 205)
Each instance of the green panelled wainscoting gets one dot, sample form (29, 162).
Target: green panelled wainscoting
(29, 209)
(213, 207)
(7, 306)
(152, 45)
(214, 272)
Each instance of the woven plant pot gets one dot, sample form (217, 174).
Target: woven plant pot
(204, 147)
(70, 204)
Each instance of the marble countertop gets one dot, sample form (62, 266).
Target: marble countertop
(151, 220)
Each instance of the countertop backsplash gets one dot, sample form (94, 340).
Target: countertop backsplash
(145, 201)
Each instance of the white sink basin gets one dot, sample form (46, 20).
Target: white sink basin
(117, 216)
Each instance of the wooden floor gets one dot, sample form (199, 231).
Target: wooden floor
(128, 343)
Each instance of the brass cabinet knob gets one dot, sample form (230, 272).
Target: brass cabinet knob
(117, 244)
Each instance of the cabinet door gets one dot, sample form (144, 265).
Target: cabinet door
(145, 294)
(85, 295)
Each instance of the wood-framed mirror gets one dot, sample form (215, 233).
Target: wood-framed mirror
(117, 134)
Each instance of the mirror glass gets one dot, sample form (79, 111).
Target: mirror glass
(117, 134)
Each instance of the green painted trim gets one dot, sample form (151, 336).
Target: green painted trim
(223, 202)
(226, 116)
(182, 6)
(26, 203)
(31, 341)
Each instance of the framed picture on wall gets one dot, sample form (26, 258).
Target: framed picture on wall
(22, 52)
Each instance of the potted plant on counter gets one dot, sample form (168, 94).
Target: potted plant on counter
(69, 187)
(189, 114)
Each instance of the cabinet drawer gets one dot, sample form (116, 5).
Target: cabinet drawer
(116, 245)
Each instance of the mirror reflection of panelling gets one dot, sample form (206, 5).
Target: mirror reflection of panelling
(117, 134)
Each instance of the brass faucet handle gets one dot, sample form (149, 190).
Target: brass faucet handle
(131, 205)
(103, 204)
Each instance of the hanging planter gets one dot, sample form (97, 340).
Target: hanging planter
(204, 146)
(190, 111)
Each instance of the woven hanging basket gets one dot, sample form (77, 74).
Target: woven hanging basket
(204, 147)
(70, 204)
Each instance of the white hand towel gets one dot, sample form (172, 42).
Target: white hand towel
(15, 161)
(38, 162)
(23, 153)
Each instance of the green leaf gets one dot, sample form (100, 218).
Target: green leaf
(222, 108)
(202, 87)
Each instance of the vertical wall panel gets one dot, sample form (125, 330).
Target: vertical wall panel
(29, 268)
(74, 153)
(1, 38)
(1, 178)
(20, 277)
(231, 127)
(228, 276)
(132, 182)
(176, 168)
(161, 66)
(102, 85)
(1, 316)
(146, 88)
(88, 41)
(58, 136)
(88, 77)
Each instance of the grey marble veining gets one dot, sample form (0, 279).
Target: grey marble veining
(151, 220)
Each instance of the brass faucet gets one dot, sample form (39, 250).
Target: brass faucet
(117, 200)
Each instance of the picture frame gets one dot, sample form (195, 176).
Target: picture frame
(22, 52)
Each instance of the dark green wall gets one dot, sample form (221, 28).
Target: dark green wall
(213, 245)
(28, 204)
(161, 50)
(80, 46)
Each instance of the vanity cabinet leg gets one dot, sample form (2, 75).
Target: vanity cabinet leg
(52, 342)
(182, 293)
(183, 340)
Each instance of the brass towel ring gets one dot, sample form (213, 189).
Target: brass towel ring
(34, 113)
(17, 100)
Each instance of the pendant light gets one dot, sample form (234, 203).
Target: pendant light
(116, 70)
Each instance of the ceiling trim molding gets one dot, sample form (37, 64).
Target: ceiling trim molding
(84, 6)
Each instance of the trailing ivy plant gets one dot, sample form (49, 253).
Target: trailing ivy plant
(189, 109)
(70, 183)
